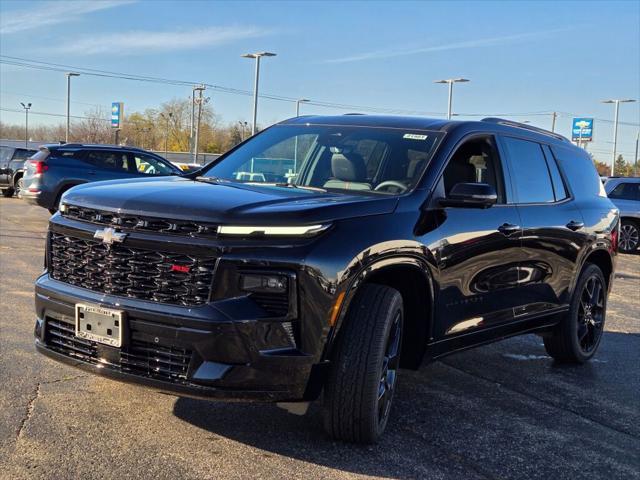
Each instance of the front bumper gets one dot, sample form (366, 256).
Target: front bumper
(194, 351)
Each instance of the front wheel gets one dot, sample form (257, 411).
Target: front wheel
(577, 337)
(629, 236)
(365, 363)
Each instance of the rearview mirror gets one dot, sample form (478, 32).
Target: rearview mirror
(470, 195)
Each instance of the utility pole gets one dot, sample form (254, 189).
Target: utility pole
(69, 75)
(257, 57)
(26, 123)
(635, 159)
(554, 115)
(193, 116)
(200, 100)
(617, 103)
(167, 118)
(450, 82)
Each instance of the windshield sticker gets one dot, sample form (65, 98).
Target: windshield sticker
(414, 136)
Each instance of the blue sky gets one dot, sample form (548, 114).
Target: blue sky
(520, 56)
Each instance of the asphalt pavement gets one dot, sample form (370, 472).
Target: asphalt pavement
(503, 411)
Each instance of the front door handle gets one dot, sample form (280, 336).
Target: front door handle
(573, 225)
(91, 172)
(508, 228)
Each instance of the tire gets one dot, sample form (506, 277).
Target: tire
(629, 236)
(19, 187)
(577, 336)
(7, 192)
(365, 361)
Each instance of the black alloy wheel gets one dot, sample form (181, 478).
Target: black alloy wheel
(591, 314)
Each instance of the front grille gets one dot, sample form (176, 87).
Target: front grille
(139, 358)
(131, 272)
(140, 223)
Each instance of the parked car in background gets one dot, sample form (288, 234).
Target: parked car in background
(187, 167)
(324, 253)
(54, 169)
(12, 161)
(624, 192)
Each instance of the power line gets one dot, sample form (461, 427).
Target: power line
(40, 65)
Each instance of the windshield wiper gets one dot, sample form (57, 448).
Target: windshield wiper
(210, 179)
(303, 187)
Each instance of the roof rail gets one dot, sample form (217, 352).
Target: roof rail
(511, 123)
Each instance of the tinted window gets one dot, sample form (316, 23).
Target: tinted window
(150, 165)
(107, 159)
(5, 153)
(626, 191)
(558, 184)
(529, 172)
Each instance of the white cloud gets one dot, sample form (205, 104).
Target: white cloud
(156, 41)
(466, 44)
(52, 13)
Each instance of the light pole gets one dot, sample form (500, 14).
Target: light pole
(243, 125)
(616, 102)
(635, 158)
(167, 117)
(298, 102)
(69, 75)
(26, 123)
(450, 82)
(257, 57)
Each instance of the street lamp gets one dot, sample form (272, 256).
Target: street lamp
(166, 134)
(243, 125)
(617, 103)
(257, 56)
(26, 123)
(450, 82)
(298, 102)
(69, 75)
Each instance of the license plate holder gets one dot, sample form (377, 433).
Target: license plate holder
(98, 324)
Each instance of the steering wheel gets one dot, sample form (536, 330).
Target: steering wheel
(392, 183)
(151, 170)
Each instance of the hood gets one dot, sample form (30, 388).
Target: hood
(226, 203)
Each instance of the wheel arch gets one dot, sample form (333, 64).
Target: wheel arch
(412, 277)
(602, 259)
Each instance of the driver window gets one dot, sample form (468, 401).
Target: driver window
(149, 165)
(475, 161)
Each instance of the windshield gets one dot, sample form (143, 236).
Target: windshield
(341, 158)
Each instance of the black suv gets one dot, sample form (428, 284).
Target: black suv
(54, 169)
(325, 253)
(12, 168)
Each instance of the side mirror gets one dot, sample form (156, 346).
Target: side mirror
(470, 195)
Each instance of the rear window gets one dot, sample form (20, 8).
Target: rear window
(41, 155)
(22, 154)
(626, 191)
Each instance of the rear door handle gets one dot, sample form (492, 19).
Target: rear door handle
(508, 228)
(573, 225)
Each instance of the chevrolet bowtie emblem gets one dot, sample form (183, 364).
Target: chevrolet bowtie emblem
(109, 236)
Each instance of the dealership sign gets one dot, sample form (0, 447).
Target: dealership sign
(582, 130)
(117, 112)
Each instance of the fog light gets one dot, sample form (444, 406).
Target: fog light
(257, 283)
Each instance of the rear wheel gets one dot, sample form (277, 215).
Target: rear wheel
(7, 192)
(19, 187)
(629, 236)
(365, 363)
(577, 337)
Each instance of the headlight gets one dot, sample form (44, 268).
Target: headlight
(288, 231)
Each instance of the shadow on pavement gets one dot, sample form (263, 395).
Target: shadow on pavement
(505, 410)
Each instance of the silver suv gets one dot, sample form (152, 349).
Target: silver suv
(624, 192)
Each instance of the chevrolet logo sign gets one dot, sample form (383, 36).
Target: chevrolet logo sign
(109, 236)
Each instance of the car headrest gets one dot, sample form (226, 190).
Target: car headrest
(348, 167)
